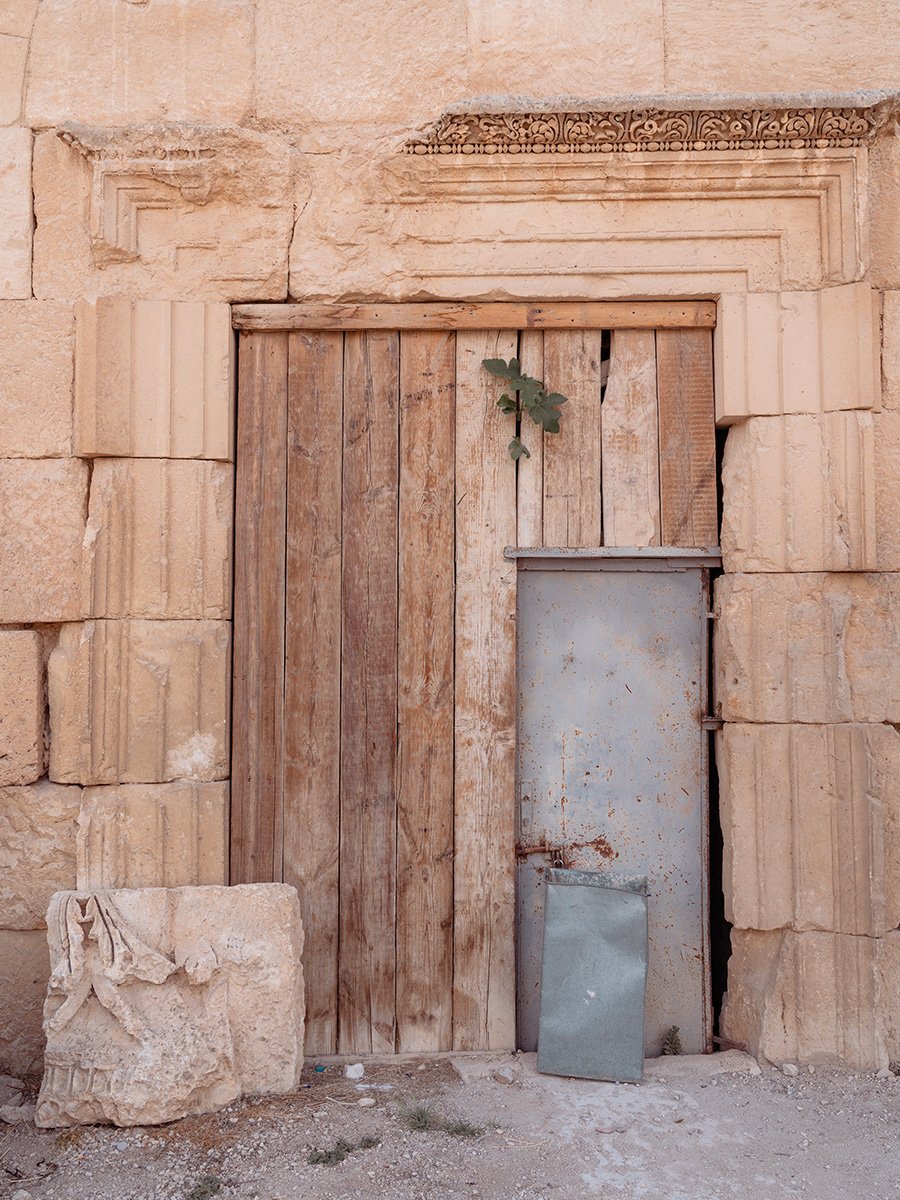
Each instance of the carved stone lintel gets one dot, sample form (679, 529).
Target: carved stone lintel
(648, 129)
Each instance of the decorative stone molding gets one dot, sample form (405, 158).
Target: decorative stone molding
(185, 211)
(646, 129)
(158, 167)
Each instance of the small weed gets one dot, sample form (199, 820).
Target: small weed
(460, 1127)
(421, 1118)
(339, 1151)
(205, 1187)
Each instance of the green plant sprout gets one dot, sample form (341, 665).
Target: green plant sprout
(525, 395)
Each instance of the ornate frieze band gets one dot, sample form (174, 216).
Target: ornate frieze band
(632, 130)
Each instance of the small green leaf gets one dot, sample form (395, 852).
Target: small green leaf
(556, 399)
(498, 366)
(506, 404)
(517, 450)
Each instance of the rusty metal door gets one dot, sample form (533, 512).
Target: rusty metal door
(612, 761)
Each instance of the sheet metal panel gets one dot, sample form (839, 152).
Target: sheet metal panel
(612, 768)
(594, 975)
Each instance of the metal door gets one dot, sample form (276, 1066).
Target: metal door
(612, 762)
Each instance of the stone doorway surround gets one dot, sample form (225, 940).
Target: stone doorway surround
(117, 568)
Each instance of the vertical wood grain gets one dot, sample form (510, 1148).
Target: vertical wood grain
(530, 481)
(484, 907)
(687, 438)
(630, 435)
(313, 666)
(258, 682)
(425, 692)
(366, 1021)
(572, 497)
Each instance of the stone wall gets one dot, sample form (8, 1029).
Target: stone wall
(160, 160)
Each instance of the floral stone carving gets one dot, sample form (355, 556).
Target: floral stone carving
(630, 130)
(169, 1001)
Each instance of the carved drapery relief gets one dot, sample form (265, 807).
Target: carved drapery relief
(169, 1001)
(631, 130)
(120, 1046)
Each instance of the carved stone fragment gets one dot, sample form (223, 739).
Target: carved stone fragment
(164, 1002)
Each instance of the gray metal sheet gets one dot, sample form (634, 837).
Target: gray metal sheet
(593, 977)
(612, 769)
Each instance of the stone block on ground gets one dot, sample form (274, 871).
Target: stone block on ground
(158, 539)
(811, 826)
(22, 707)
(165, 1002)
(24, 971)
(805, 998)
(43, 502)
(808, 647)
(153, 835)
(37, 850)
(154, 379)
(37, 346)
(140, 702)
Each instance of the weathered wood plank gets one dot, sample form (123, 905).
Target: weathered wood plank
(425, 693)
(484, 908)
(630, 435)
(572, 481)
(687, 438)
(258, 681)
(312, 727)
(530, 478)
(611, 314)
(366, 1022)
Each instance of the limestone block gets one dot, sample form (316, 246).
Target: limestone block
(158, 539)
(23, 733)
(578, 46)
(178, 212)
(809, 648)
(139, 702)
(43, 502)
(99, 61)
(13, 55)
(887, 957)
(884, 229)
(158, 835)
(755, 48)
(798, 494)
(165, 1002)
(399, 63)
(37, 849)
(17, 17)
(887, 490)
(36, 352)
(24, 972)
(154, 379)
(15, 214)
(797, 352)
(811, 826)
(804, 998)
(890, 354)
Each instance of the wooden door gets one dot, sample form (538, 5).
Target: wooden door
(374, 674)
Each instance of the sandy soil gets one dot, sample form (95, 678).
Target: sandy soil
(696, 1129)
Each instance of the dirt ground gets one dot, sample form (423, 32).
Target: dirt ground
(712, 1128)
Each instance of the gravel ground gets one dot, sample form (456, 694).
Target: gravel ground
(713, 1128)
